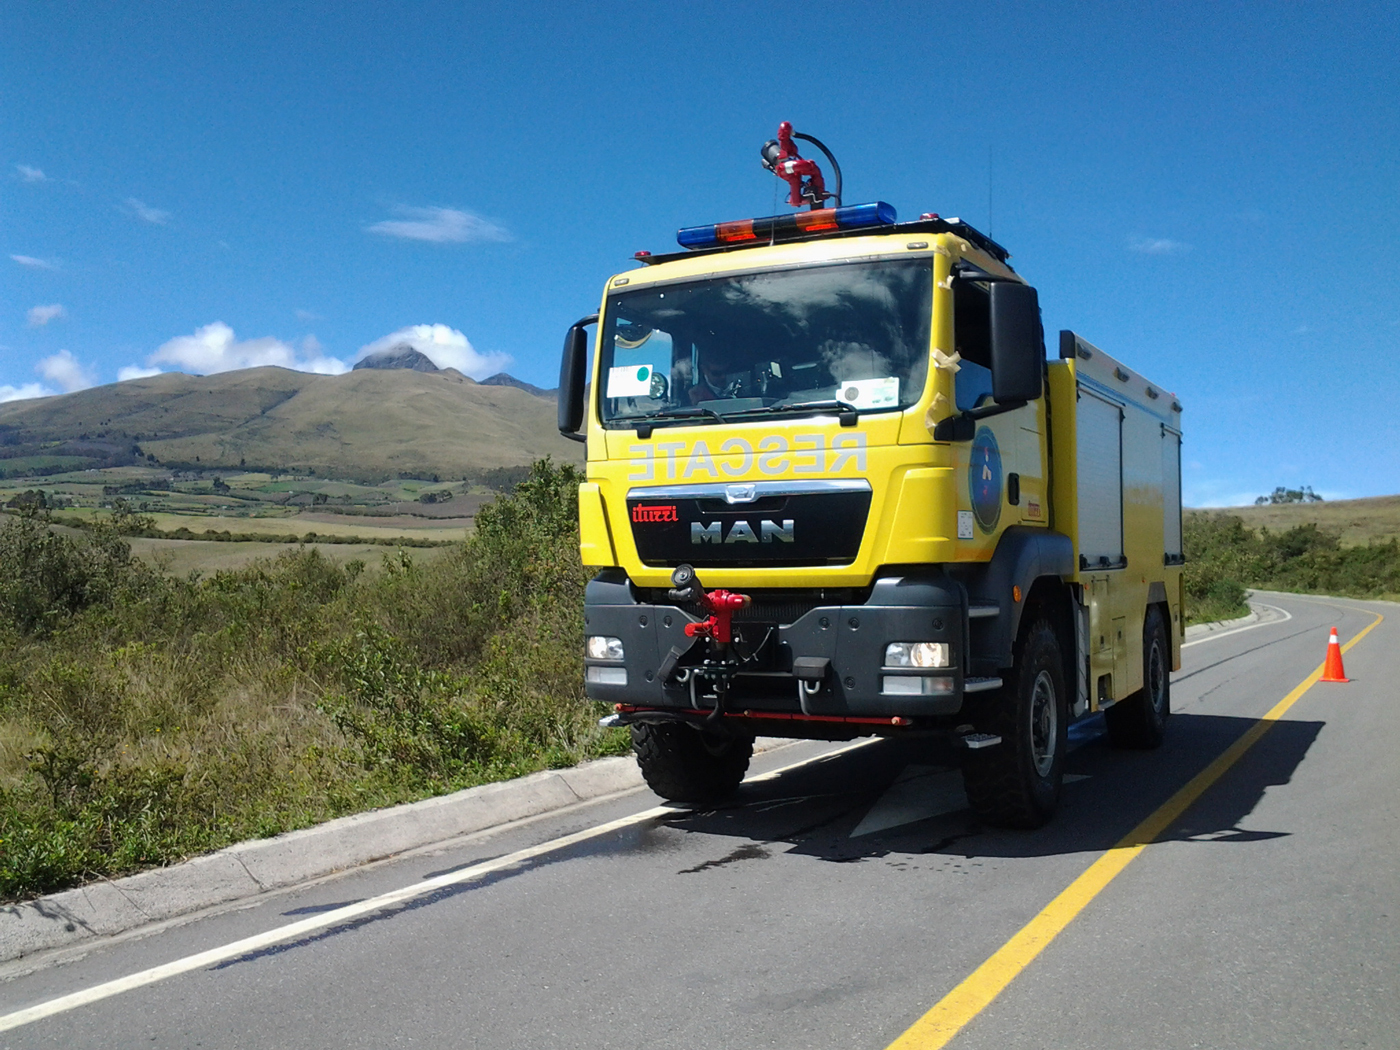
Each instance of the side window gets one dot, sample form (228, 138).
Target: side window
(972, 338)
(641, 363)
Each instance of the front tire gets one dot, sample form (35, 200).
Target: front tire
(684, 764)
(1016, 783)
(1140, 721)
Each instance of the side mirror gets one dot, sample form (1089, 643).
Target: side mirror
(1018, 343)
(573, 375)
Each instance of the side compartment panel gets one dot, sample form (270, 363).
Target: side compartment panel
(1100, 472)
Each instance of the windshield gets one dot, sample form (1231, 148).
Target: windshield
(856, 333)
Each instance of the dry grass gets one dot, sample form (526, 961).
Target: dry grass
(1357, 521)
(181, 557)
(299, 525)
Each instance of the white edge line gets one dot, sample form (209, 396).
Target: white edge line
(1248, 627)
(234, 949)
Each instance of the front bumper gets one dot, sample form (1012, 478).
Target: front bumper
(852, 637)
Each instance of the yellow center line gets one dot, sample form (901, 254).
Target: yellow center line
(951, 1013)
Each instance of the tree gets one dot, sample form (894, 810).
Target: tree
(1286, 495)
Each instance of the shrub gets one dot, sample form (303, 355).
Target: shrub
(145, 717)
(1223, 555)
(46, 577)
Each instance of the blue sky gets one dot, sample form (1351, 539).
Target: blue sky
(1210, 192)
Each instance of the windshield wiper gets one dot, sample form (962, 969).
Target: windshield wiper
(644, 426)
(847, 412)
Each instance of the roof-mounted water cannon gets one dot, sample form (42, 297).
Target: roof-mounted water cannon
(804, 178)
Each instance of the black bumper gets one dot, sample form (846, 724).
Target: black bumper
(852, 637)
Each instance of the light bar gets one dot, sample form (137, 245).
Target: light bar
(783, 227)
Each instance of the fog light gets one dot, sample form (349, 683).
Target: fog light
(916, 654)
(601, 647)
(605, 675)
(900, 685)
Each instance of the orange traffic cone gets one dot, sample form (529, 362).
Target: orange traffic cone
(1332, 668)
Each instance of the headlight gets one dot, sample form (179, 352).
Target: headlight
(916, 654)
(601, 647)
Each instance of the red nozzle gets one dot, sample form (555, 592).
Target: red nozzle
(793, 169)
(721, 605)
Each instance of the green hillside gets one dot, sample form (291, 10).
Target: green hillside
(366, 424)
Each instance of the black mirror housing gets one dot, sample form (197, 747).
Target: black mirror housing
(1018, 343)
(573, 375)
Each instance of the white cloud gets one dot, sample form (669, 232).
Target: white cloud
(29, 174)
(136, 372)
(65, 370)
(310, 344)
(145, 212)
(439, 225)
(446, 347)
(42, 315)
(37, 264)
(214, 348)
(306, 316)
(21, 393)
(1158, 246)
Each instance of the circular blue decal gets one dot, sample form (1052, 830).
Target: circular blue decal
(984, 479)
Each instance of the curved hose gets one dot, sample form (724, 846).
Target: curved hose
(835, 168)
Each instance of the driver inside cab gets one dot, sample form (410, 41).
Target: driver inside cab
(714, 382)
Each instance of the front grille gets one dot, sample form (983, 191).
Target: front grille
(781, 525)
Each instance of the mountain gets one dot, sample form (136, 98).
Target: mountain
(504, 379)
(401, 355)
(367, 424)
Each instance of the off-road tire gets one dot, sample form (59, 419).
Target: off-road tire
(1016, 783)
(1140, 721)
(683, 764)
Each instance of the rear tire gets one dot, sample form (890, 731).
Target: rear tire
(1016, 783)
(684, 764)
(1140, 721)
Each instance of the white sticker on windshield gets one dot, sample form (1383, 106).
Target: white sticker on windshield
(629, 381)
(870, 393)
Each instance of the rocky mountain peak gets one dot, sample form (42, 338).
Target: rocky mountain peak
(401, 355)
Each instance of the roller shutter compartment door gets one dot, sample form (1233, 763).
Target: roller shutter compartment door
(1171, 495)
(1100, 469)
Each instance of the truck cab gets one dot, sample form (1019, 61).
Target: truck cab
(834, 488)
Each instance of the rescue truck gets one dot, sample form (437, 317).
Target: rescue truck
(835, 488)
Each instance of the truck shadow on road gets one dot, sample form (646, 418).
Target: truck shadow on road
(904, 797)
(895, 801)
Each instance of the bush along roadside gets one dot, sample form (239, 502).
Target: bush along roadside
(145, 717)
(1224, 556)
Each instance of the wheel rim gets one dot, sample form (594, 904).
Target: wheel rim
(1156, 677)
(1045, 723)
(717, 746)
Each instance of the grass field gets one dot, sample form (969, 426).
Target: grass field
(300, 525)
(1357, 521)
(181, 557)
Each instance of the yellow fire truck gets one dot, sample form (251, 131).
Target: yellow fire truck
(834, 488)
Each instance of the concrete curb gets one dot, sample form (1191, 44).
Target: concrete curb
(1200, 629)
(247, 869)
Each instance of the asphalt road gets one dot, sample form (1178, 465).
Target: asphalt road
(836, 903)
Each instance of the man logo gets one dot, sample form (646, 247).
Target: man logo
(742, 532)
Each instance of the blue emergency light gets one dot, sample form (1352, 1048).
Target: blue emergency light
(784, 227)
